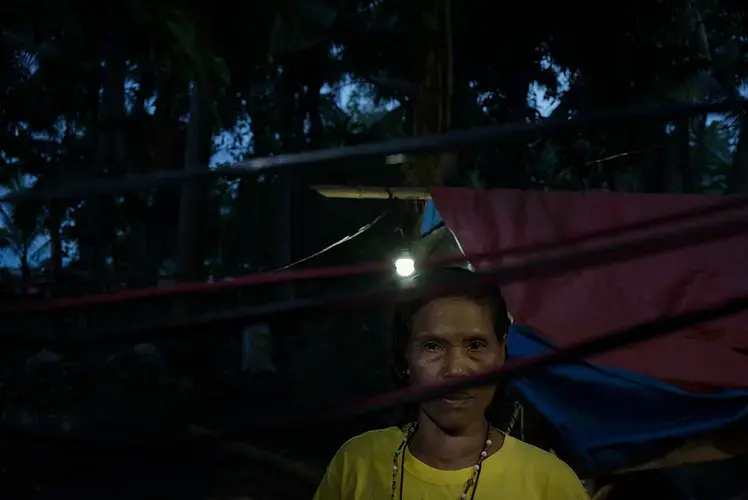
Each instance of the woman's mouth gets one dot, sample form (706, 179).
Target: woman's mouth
(460, 399)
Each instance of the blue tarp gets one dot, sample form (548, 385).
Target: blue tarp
(431, 218)
(611, 419)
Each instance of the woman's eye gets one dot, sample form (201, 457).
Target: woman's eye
(431, 346)
(477, 345)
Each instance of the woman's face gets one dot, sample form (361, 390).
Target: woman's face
(453, 337)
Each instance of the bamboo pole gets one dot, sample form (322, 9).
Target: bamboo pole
(373, 192)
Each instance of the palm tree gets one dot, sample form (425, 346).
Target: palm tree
(23, 239)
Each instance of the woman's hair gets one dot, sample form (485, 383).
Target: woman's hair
(484, 294)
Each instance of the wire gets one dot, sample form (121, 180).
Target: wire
(725, 205)
(556, 264)
(422, 144)
(345, 239)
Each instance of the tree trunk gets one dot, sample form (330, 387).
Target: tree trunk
(682, 159)
(89, 223)
(693, 178)
(656, 167)
(106, 118)
(141, 271)
(54, 225)
(293, 138)
(739, 179)
(25, 268)
(189, 258)
(163, 148)
(431, 110)
(190, 248)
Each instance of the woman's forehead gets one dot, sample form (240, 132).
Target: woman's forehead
(452, 314)
(452, 336)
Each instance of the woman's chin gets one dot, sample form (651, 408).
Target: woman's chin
(450, 415)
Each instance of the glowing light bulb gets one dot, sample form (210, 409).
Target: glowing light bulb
(405, 266)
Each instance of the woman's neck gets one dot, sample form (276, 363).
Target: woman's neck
(448, 450)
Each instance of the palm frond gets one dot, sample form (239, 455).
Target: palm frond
(6, 216)
(40, 251)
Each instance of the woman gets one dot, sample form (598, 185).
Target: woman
(448, 450)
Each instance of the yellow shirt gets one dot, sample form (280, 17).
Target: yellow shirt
(362, 469)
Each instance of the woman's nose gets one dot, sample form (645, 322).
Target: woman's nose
(456, 364)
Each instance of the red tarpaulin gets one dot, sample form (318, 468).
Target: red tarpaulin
(583, 304)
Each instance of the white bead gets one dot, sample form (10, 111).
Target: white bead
(463, 496)
(405, 439)
(489, 442)
(394, 467)
(483, 453)
(476, 467)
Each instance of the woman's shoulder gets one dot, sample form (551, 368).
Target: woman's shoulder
(359, 452)
(542, 462)
(365, 454)
(373, 442)
(526, 451)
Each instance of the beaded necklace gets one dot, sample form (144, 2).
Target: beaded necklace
(410, 431)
